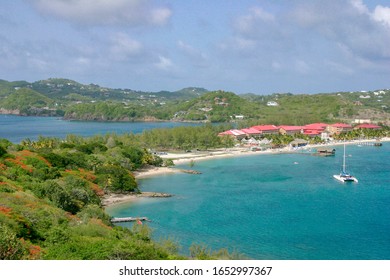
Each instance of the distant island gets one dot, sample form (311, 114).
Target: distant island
(75, 101)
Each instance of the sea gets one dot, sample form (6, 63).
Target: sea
(259, 206)
(17, 128)
(275, 206)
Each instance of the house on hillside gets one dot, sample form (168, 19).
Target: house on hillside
(362, 121)
(267, 129)
(338, 128)
(290, 129)
(272, 103)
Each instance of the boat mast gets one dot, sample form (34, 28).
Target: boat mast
(344, 160)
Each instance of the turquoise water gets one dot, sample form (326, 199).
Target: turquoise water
(17, 128)
(269, 207)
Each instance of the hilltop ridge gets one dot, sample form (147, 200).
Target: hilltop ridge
(73, 100)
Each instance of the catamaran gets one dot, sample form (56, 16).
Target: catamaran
(344, 176)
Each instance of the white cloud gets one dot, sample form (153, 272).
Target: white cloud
(382, 14)
(360, 6)
(253, 21)
(348, 23)
(123, 47)
(103, 12)
(196, 56)
(164, 63)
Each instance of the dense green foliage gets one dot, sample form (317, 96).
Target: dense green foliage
(217, 106)
(50, 200)
(51, 192)
(73, 100)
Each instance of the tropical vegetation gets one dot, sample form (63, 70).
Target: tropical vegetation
(51, 194)
(72, 100)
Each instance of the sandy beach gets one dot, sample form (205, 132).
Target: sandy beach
(153, 171)
(180, 158)
(183, 158)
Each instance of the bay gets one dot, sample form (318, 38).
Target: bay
(284, 206)
(17, 128)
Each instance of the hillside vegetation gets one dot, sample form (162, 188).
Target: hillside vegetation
(51, 194)
(72, 100)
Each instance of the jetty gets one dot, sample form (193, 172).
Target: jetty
(190, 171)
(129, 219)
(370, 143)
(326, 152)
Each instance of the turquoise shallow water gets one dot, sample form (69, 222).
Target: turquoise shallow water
(268, 207)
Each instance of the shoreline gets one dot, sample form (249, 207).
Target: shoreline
(115, 199)
(183, 158)
(237, 152)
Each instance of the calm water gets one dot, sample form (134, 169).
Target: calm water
(17, 128)
(267, 207)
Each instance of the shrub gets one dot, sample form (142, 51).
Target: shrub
(11, 248)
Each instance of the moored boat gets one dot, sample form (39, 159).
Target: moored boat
(344, 176)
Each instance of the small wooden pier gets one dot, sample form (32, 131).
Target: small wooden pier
(129, 219)
(376, 144)
(326, 152)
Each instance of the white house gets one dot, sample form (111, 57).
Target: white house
(272, 103)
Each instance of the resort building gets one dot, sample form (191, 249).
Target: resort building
(338, 128)
(290, 129)
(314, 129)
(367, 126)
(322, 130)
(252, 132)
(236, 133)
(267, 129)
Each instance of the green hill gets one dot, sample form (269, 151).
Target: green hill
(64, 97)
(29, 102)
(217, 106)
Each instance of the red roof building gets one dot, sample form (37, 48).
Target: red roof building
(236, 133)
(367, 126)
(314, 129)
(251, 132)
(316, 126)
(312, 133)
(267, 129)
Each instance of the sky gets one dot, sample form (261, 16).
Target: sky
(246, 46)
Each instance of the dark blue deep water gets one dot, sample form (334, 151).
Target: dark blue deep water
(17, 128)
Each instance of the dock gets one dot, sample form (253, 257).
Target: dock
(129, 219)
(326, 152)
(376, 144)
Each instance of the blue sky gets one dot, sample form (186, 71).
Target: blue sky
(257, 46)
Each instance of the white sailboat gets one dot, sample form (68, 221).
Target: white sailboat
(344, 176)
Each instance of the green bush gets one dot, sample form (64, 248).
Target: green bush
(11, 247)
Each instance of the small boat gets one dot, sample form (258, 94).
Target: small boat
(344, 176)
